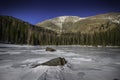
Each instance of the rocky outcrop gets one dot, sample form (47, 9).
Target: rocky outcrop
(50, 49)
(53, 62)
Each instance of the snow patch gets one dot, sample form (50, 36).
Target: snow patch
(118, 63)
(35, 60)
(60, 20)
(81, 59)
(74, 18)
(12, 53)
(116, 21)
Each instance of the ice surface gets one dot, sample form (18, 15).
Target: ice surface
(84, 63)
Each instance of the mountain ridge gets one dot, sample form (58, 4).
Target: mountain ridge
(78, 25)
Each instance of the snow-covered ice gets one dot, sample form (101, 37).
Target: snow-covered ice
(84, 63)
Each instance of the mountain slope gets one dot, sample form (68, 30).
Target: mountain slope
(97, 23)
(60, 24)
(103, 29)
(91, 24)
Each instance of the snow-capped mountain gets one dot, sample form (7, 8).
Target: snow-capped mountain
(62, 19)
(78, 24)
(59, 23)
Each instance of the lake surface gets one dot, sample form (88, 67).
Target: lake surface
(84, 63)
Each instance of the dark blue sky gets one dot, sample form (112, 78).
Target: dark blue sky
(34, 11)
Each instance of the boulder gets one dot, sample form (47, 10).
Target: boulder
(50, 49)
(53, 62)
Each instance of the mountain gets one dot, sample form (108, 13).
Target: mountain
(103, 29)
(98, 23)
(59, 24)
(68, 24)
(13, 30)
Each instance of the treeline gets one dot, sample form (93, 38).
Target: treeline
(105, 36)
(40, 36)
(15, 31)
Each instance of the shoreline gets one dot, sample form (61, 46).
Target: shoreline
(27, 45)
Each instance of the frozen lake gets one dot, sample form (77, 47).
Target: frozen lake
(84, 63)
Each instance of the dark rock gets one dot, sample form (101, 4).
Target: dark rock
(54, 62)
(50, 49)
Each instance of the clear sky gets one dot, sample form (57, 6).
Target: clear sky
(34, 11)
